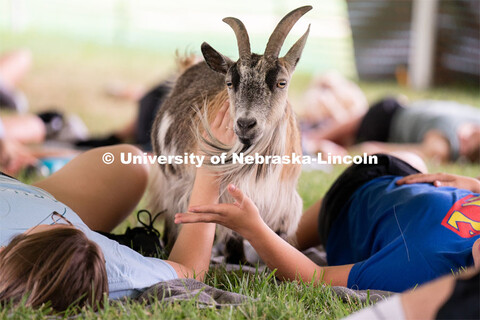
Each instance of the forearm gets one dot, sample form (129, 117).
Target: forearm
(290, 263)
(194, 243)
(476, 185)
(342, 134)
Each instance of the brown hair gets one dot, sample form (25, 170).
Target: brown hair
(474, 153)
(61, 266)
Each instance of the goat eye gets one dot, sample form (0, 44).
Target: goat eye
(281, 84)
(229, 84)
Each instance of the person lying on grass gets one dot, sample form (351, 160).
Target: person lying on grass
(384, 226)
(50, 253)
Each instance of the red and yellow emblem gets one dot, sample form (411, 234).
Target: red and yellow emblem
(463, 218)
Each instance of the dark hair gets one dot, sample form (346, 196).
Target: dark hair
(474, 154)
(61, 266)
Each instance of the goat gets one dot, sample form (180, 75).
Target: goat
(256, 87)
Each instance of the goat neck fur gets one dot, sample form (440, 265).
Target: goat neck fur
(264, 123)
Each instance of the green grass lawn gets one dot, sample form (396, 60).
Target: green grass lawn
(273, 300)
(72, 76)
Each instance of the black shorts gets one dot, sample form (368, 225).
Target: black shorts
(352, 179)
(375, 125)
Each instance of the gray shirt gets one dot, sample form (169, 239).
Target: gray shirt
(409, 125)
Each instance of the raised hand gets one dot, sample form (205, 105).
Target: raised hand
(242, 216)
(222, 126)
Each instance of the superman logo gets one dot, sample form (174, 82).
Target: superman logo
(463, 218)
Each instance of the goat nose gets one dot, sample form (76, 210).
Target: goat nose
(246, 123)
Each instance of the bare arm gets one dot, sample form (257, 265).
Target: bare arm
(433, 147)
(342, 134)
(190, 256)
(443, 180)
(243, 217)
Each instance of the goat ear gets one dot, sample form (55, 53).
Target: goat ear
(216, 61)
(293, 55)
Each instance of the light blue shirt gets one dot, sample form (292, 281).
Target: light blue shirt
(129, 273)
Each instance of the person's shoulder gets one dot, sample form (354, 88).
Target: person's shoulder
(128, 271)
(10, 183)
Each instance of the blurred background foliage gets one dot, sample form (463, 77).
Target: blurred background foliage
(81, 47)
(164, 26)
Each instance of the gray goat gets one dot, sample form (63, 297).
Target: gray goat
(256, 86)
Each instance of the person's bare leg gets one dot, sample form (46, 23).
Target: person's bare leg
(372, 147)
(127, 133)
(25, 129)
(412, 159)
(102, 195)
(342, 134)
(307, 231)
(410, 153)
(434, 147)
(125, 91)
(14, 66)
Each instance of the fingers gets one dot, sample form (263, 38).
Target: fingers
(438, 183)
(443, 180)
(236, 193)
(222, 126)
(241, 199)
(226, 127)
(226, 115)
(230, 132)
(196, 218)
(220, 117)
(423, 178)
(219, 209)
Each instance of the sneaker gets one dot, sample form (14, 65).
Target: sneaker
(63, 128)
(53, 122)
(73, 129)
(13, 100)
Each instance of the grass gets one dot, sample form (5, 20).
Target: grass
(72, 76)
(272, 300)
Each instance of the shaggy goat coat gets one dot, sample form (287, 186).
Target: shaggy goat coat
(256, 86)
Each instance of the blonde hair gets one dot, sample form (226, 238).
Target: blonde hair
(60, 266)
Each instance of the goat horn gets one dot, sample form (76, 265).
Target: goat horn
(278, 36)
(241, 34)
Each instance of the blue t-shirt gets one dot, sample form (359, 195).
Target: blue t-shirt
(402, 236)
(23, 206)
